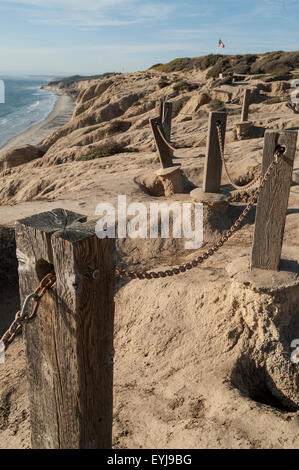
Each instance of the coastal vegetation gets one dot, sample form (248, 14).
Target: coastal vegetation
(105, 150)
(274, 63)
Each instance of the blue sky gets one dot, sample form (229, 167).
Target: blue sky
(95, 36)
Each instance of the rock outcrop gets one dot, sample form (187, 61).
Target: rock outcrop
(119, 107)
(19, 155)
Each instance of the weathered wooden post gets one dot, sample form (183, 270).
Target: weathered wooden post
(210, 194)
(164, 152)
(242, 130)
(69, 345)
(273, 201)
(170, 174)
(164, 112)
(166, 119)
(213, 163)
(159, 109)
(246, 103)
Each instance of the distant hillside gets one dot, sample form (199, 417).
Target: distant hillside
(70, 84)
(68, 81)
(271, 63)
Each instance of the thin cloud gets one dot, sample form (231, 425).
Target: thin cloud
(93, 13)
(83, 21)
(277, 9)
(91, 5)
(122, 48)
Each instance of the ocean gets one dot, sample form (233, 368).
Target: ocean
(25, 105)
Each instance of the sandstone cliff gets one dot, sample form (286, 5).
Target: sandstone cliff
(202, 359)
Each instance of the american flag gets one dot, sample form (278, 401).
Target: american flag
(220, 44)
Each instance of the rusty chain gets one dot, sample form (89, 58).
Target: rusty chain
(221, 147)
(168, 144)
(165, 140)
(49, 281)
(22, 316)
(142, 275)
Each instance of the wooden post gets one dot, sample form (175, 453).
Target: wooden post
(246, 103)
(159, 109)
(164, 152)
(273, 202)
(213, 163)
(164, 112)
(69, 345)
(166, 119)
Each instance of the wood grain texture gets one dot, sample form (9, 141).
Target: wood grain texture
(273, 202)
(164, 152)
(159, 109)
(246, 104)
(40, 229)
(69, 345)
(213, 163)
(166, 120)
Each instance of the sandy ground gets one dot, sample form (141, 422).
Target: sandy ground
(202, 360)
(61, 113)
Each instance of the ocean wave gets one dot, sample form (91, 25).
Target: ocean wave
(29, 110)
(33, 106)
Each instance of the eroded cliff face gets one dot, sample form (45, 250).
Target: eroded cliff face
(112, 114)
(115, 111)
(118, 109)
(202, 360)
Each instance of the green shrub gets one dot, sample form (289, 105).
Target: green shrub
(156, 66)
(206, 61)
(274, 63)
(187, 64)
(278, 63)
(105, 150)
(273, 100)
(175, 65)
(216, 70)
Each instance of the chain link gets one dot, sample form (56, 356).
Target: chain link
(169, 145)
(22, 316)
(142, 275)
(221, 147)
(49, 281)
(165, 140)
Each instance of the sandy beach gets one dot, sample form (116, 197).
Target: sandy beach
(61, 114)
